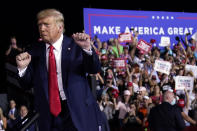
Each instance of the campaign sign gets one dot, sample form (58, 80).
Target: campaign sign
(191, 68)
(125, 37)
(162, 66)
(194, 36)
(119, 63)
(184, 82)
(165, 41)
(106, 24)
(144, 46)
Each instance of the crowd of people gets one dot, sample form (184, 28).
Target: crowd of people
(127, 95)
(14, 118)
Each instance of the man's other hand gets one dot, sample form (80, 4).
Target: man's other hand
(23, 60)
(83, 40)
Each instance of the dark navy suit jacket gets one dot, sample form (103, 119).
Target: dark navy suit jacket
(75, 63)
(165, 117)
(18, 125)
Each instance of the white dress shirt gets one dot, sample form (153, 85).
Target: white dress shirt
(12, 111)
(57, 52)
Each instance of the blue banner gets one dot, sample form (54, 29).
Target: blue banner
(107, 24)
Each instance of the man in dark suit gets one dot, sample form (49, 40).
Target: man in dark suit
(56, 68)
(22, 119)
(166, 117)
(13, 113)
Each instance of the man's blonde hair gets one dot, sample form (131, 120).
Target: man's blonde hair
(51, 13)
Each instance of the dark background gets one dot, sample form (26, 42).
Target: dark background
(19, 18)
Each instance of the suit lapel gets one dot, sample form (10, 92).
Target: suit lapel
(43, 70)
(66, 49)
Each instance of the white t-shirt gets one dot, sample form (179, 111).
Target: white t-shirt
(11, 112)
(135, 88)
(108, 110)
(123, 109)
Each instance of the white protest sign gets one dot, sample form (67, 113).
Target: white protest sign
(125, 37)
(165, 41)
(144, 46)
(184, 82)
(194, 36)
(162, 66)
(119, 62)
(191, 68)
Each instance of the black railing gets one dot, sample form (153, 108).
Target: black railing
(27, 122)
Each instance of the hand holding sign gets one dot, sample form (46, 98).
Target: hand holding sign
(119, 62)
(184, 82)
(162, 66)
(144, 46)
(191, 68)
(125, 37)
(194, 36)
(165, 41)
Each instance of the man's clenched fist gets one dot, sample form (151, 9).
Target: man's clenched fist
(23, 60)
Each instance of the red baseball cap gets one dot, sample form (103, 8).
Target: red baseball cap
(103, 57)
(181, 103)
(129, 84)
(115, 93)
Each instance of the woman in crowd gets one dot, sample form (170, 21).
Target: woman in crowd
(157, 95)
(3, 121)
(108, 106)
(123, 106)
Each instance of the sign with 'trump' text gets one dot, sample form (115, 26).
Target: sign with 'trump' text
(162, 66)
(184, 82)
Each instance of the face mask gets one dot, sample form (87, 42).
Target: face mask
(170, 52)
(173, 102)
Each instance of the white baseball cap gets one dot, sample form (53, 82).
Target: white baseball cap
(142, 89)
(170, 90)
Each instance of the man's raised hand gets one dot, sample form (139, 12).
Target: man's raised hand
(23, 60)
(83, 40)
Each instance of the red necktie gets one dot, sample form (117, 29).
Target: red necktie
(54, 98)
